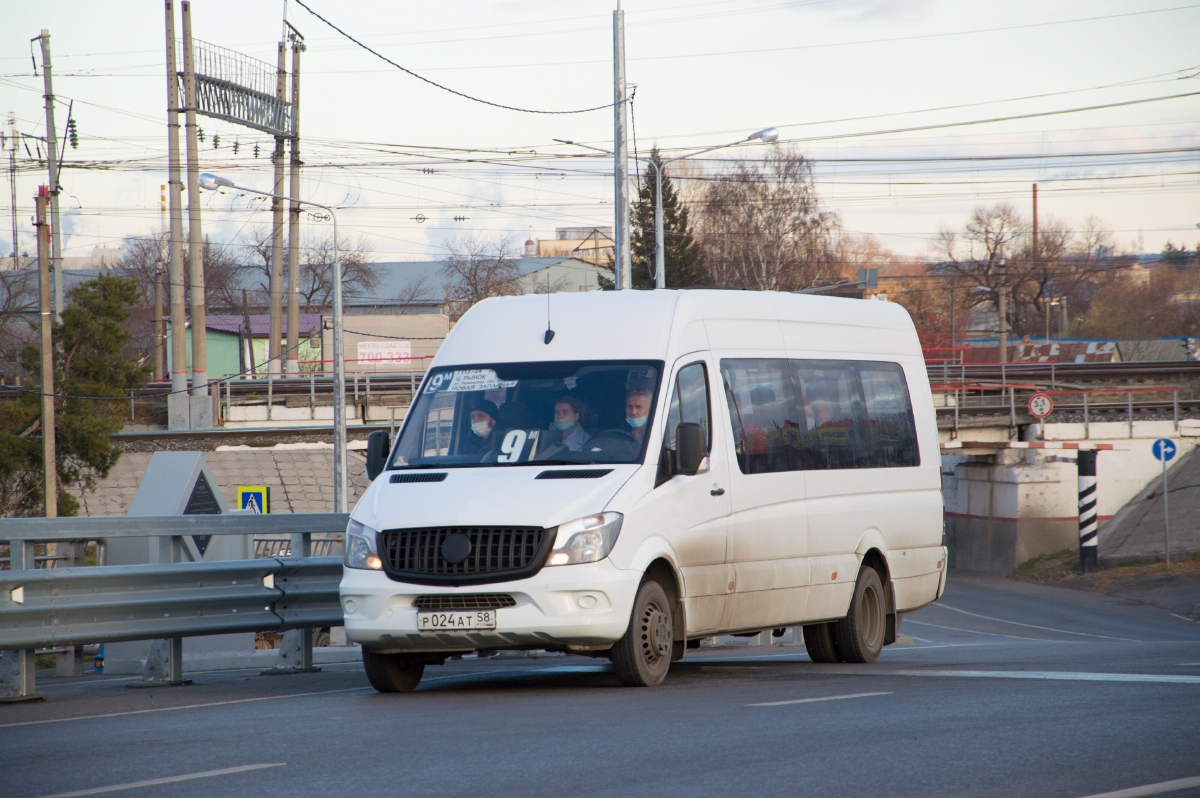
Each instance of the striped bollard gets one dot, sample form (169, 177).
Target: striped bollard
(1088, 560)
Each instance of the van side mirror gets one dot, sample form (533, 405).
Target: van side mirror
(378, 446)
(690, 445)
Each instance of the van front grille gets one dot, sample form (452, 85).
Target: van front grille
(464, 601)
(464, 555)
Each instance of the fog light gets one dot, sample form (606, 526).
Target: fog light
(587, 602)
(351, 606)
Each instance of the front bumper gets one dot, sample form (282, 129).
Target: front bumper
(569, 605)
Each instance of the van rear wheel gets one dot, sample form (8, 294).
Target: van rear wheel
(859, 636)
(818, 640)
(392, 673)
(642, 657)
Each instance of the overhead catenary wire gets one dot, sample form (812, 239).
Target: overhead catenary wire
(443, 87)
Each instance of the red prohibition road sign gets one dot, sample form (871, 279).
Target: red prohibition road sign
(1040, 405)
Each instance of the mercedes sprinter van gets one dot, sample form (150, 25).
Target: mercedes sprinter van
(620, 474)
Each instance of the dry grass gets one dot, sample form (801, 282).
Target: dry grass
(1061, 569)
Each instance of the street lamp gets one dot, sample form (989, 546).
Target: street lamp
(1050, 303)
(766, 135)
(213, 182)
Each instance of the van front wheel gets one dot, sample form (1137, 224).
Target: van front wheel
(642, 656)
(391, 673)
(859, 636)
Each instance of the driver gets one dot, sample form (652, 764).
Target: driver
(637, 410)
(568, 412)
(483, 428)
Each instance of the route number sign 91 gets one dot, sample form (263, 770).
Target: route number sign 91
(1040, 405)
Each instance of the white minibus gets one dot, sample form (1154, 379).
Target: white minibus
(621, 474)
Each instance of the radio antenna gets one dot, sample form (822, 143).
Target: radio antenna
(549, 332)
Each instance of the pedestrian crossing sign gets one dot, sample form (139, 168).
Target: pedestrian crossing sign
(255, 498)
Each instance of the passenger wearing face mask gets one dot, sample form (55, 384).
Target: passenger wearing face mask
(483, 428)
(567, 429)
(637, 410)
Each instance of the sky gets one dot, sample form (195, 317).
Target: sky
(914, 112)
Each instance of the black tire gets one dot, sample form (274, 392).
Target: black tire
(859, 636)
(818, 640)
(391, 673)
(642, 657)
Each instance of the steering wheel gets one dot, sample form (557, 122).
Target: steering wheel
(614, 443)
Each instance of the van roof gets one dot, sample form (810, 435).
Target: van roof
(638, 325)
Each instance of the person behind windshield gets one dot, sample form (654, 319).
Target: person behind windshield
(483, 427)
(568, 430)
(637, 410)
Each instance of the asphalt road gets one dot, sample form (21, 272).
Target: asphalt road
(1009, 690)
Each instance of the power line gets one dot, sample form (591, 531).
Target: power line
(408, 71)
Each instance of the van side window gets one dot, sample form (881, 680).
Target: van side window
(762, 411)
(815, 415)
(689, 403)
(834, 428)
(889, 415)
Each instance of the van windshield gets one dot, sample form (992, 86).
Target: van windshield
(517, 413)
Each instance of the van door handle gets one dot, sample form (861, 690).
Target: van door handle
(717, 492)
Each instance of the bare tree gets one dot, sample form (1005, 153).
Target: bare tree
(316, 270)
(1066, 262)
(18, 297)
(316, 267)
(762, 225)
(479, 268)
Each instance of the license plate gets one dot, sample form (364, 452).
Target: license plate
(456, 620)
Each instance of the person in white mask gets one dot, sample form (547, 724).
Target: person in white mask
(483, 425)
(568, 415)
(637, 410)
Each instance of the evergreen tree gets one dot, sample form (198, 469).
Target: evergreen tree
(88, 362)
(682, 263)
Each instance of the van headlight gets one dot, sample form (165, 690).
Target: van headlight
(360, 547)
(587, 539)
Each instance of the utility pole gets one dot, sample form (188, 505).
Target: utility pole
(49, 460)
(622, 277)
(159, 328)
(1036, 253)
(953, 320)
(200, 415)
(179, 415)
(1002, 287)
(1036, 240)
(273, 348)
(10, 144)
(52, 162)
(159, 331)
(292, 362)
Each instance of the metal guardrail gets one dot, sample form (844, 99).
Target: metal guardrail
(106, 604)
(41, 608)
(100, 527)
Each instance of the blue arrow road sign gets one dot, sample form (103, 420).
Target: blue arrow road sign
(1164, 449)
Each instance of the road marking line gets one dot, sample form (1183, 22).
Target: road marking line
(186, 706)
(815, 700)
(1151, 789)
(133, 785)
(1033, 626)
(989, 634)
(1061, 676)
(1183, 618)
